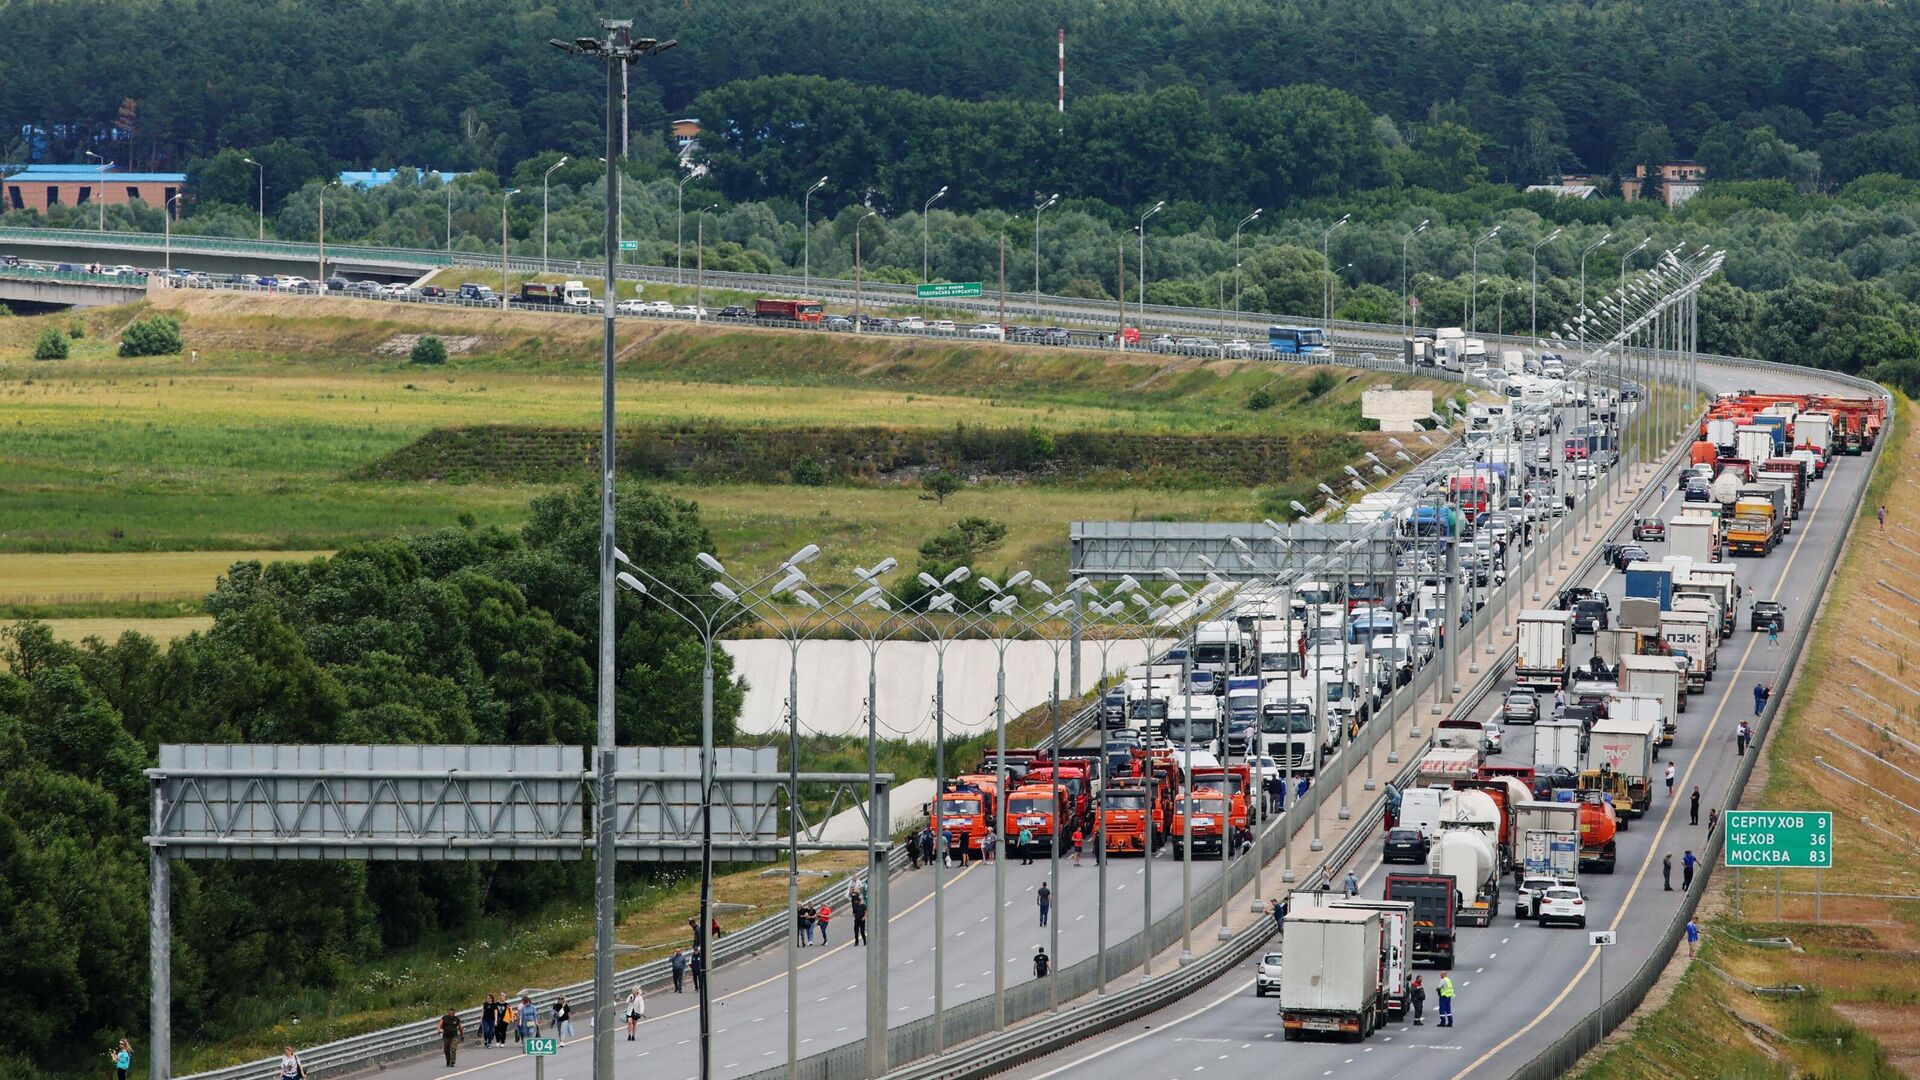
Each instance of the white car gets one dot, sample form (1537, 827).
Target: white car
(691, 311)
(630, 307)
(911, 323)
(945, 326)
(1267, 976)
(1491, 737)
(291, 282)
(988, 330)
(1532, 887)
(1563, 903)
(1237, 347)
(656, 307)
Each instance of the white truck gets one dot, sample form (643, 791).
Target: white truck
(1690, 632)
(1625, 704)
(1445, 764)
(1694, 538)
(1449, 348)
(1396, 939)
(1332, 958)
(1289, 733)
(1556, 743)
(1545, 640)
(1660, 676)
(1721, 579)
(1814, 431)
(1705, 603)
(1627, 748)
(1753, 443)
(1556, 851)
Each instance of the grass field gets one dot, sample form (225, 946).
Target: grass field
(1857, 949)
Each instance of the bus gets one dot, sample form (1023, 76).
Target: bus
(806, 311)
(1297, 341)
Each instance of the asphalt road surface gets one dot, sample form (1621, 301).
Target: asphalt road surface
(1519, 986)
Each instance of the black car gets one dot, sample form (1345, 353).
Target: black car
(1590, 615)
(1622, 554)
(1768, 615)
(337, 284)
(735, 311)
(1573, 595)
(1405, 845)
(435, 292)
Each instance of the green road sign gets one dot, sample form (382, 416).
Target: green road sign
(542, 1047)
(1782, 839)
(629, 245)
(945, 289)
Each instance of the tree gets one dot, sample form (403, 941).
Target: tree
(940, 483)
(156, 335)
(428, 350)
(50, 345)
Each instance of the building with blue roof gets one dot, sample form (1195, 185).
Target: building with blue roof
(39, 187)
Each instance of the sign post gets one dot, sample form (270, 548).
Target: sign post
(1602, 940)
(1779, 839)
(540, 1050)
(947, 289)
(629, 245)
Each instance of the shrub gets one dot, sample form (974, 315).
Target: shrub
(1321, 382)
(808, 473)
(1260, 401)
(1040, 444)
(941, 484)
(429, 350)
(156, 336)
(52, 345)
(76, 329)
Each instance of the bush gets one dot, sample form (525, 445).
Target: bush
(1260, 401)
(808, 473)
(52, 345)
(429, 350)
(76, 329)
(157, 336)
(1321, 382)
(940, 485)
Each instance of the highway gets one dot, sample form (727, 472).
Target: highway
(1520, 987)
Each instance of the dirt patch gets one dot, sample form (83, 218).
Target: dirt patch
(457, 344)
(1897, 1027)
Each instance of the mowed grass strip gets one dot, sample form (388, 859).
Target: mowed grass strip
(37, 579)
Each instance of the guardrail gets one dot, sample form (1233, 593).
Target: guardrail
(79, 277)
(1564, 1052)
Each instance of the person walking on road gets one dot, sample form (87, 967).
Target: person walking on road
(1025, 840)
(989, 844)
(562, 1018)
(1446, 1000)
(1079, 839)
(1669, 779)
(489, 1012)
(449, 1037)
(1419, 998)
(806, 925)
(697, 964)
(679, 971)
(291, 1067)
(1713, 818)
(122, 1058)
(824, 916)
(1687, 863)
(1666, 872)
(1351, 885)
(1041, 964)
(1326, 880)
(1761, 691)
(637, 1008)
(1279, 916)
(1693, 936)
(529, 1015)
(859, 919)
(1773, 636)
(1045, 899)
(1693, 806)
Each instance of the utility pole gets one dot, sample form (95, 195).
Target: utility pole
(617, 48)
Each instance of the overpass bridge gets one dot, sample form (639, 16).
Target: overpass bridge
(27, 287)
(220, 254)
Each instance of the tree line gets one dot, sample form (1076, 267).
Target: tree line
(461, 636)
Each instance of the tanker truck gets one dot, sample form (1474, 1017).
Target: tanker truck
(1468, 856)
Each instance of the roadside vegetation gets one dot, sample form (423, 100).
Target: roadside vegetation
(1857, 1014)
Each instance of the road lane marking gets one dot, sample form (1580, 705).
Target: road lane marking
(1726, 698)
(1175, 1022)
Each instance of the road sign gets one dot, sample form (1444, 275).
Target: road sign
(1601, 938)
(629, 245)
(542, 1047)
(1781, 839)
(945, 289)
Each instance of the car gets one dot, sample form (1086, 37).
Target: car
(1649, 528)
(1590, 616)
(1406, 845)
(1620, 555)
(1767, 615)
(1562, 903)
(1520, 707)
(1267, 975)
(656, 307)
(471, 291)
(1547, 780)
(1491, 737)
(1237, 347)
(944, 326)
(693, 311)
(268, 282)
(911, 322)
(295, 283)
(987, 330)
(1584, 470)
(1162, 343)
(373, 288)
(735, 311)
(627, 307)
(399, 290)
(1526, 896)
(1573, 594)
(337, 284)
(837, 322)
(1698, 490)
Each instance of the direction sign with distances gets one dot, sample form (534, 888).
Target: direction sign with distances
(629, 245)
(1782, 839)
(943, 289)
(542, 1047)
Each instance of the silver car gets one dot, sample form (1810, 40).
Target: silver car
(1267, 977)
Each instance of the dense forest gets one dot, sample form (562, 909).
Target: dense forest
(466, 635)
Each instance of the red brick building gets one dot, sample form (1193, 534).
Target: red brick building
(41, 186)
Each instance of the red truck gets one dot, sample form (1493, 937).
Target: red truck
(805, 311)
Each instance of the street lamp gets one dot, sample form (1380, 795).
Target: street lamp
(263, 195)
(100, 189)
(448, 184)
(321, 267)
(1406, 313)
(806, 236)
(700, 260)
(543, 214)
(1590, 249)
(856, 266)
(1474, 293)
(1039, 205)
(166, 218)
(1326, 291)
(1534, 327)
(694, 172)
(924, 234)
(1157, 207)
(505, 198)
(1244, 222)
(616, 50)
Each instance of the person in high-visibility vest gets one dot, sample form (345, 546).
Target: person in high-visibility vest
(1446, 1000)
